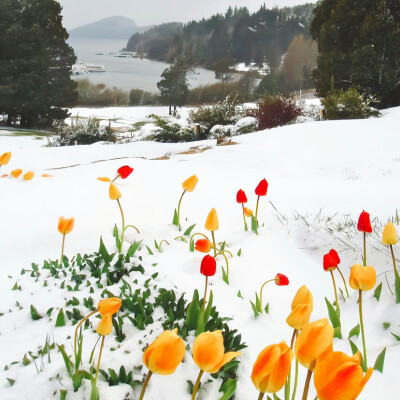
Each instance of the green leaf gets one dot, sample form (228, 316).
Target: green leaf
(156, 245)
(386, 325)
(34, 313)
(254, 307)
(189, 230)
(63, 394)
(254, 225)
(192, 312)
(149, 250)
(239, 294)
(228, 388)
(200, 323)
(16, 287)
(334, 318)
(132, 249)
(103, 251)
(60, 321)
(355, 331)
(267, 308)
(225, 276)
(380, 361)
(191, 245)
(79, 354)
(11, 381)
(377, 292)
(116, 236)
(175, 219)
(68, 363)
(207, 312)
(354, 348)
(77, 380)
(397, 287)
(239, 253)
(94, 395)
(26, 361)
(396, 336)
(258, 304)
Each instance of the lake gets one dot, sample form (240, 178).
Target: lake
(126, 73)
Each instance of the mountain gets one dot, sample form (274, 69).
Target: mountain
(108, 28)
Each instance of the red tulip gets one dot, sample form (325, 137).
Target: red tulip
(208, 266)
(364, 224)
(281, 280)
(261, 189)
(125, 171)
(241, 197)
(333, 253)
(329, 262)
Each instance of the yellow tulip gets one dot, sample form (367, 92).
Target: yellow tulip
(29, 176)
(105, 325)
(272, 367)
(314, 340)
(362, 278)
(247, 212)
(302, 306)
(212, 223)
(114, 192)
(190, 183)
(109, 306)
(65, 225)
(338, 376)
(5, 158)
(208, 352)
(104, 179)
(47, 176)
(165, 354)
(389, 234)
(16, 173)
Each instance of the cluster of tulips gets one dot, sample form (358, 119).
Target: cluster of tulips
(16, 173)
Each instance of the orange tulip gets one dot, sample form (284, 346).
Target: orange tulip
(362, 278)
(302, 306)
(114, 192)
(247, 212)
(314, 340)
(104, 179)
(4, 176)
(212, 223)
(208, 352)
(105, 325)
(5, 158)
(65, 225)
(47, 176)
(203, 245)
(338, 376)
(29, 176)
(389, 234)
(272, 367)
(109, 306)
(16, 173)
(190, 183)
(165, 354)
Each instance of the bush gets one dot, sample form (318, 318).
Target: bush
(244, 125)
(349, 104)
(226, 112)
(275, 111)
(138, 97)
(83, 133)
(99, 95)
(169, 132)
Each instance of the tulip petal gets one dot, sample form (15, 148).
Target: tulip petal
(227, 357)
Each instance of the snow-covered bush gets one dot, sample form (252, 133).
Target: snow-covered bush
(349, 104)
(170, 131)
(244, 125)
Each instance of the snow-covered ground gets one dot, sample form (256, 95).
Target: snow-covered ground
(321, 175)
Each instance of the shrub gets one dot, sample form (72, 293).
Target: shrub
(83, 133)
(170, 132)
(275, 111)
(138, 97)
(349, 104)
(244, 125)
(99, 95)
(226, 112)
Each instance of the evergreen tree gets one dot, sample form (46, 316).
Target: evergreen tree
(359, 45)
(35, 62)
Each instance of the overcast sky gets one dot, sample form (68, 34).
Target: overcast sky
(149, 12)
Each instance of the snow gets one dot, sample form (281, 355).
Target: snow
(320, 175)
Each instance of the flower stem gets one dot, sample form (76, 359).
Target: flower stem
(344, 281)
(196, 386)
(77, 327)
(179, 210)
(98, 363)
(227, 264)
(296, 376)
(287, 385)
(396, 273)
(307, 384)
(334, 287)
(362, 326)
(293, 338)
(258, 199)
(205, 294)
(132, 226)
(145, 385)
(215, 248)
(260, 397)
(244, 218)
(365, 250)
(261, 291)
(62, 249)
(123, 227)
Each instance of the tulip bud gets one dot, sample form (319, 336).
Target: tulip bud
(364, 224)
(29, 176)
(103, 179)
(105, 325)
(333, 253)
(338, 376)
(4, 176)
(212, 223)
(114, 192)
(272, 367)
(389, 234)
(302, 306)
(124, 171)
(261, 189)
(5, 158)
(208, 266)
(247, 212)
(329, 262)
(362, 278)
(65, 225)
(241, 197)
(165, 354)
(208, 352)
(281, 280)
(109, 306)
(16, 173)
(47, 176)
(190, 183)
(203, 245)
(313, 341)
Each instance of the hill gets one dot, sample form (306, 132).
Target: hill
(108, 28)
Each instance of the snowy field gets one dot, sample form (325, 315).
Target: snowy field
(321, 176)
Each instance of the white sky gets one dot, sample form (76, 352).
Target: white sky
(149, 12)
